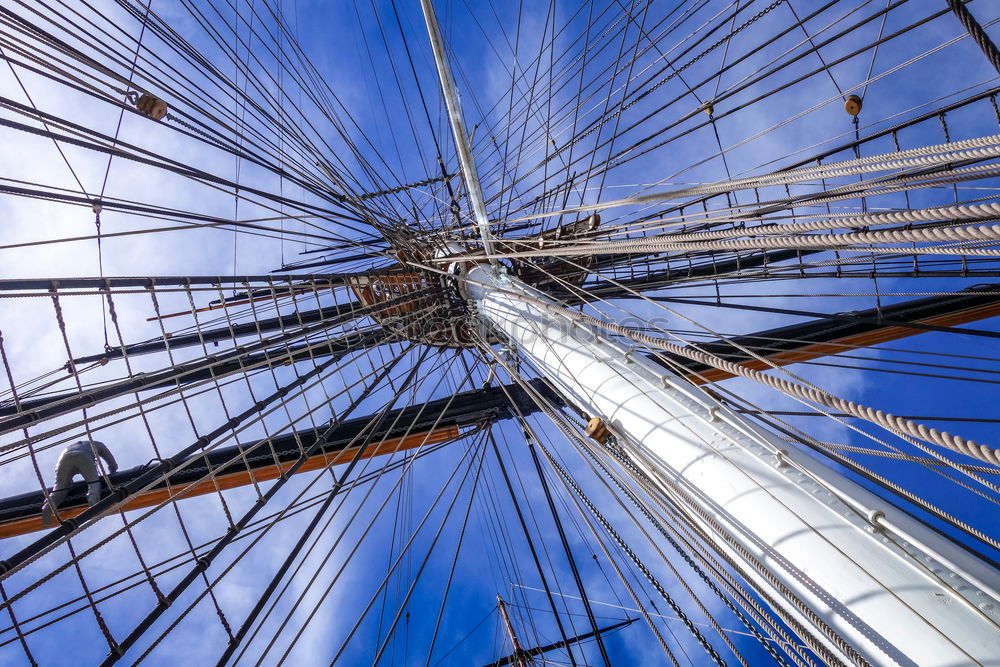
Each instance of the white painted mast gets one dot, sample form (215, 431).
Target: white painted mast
(870, 582)
(462, 145)
(895, 590)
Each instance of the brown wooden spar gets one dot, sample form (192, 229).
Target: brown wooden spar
(161, 494)
(399, 430)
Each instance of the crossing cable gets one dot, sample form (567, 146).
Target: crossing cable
(152, 159)
(98, 616)
(152, 211)
(110, 145)
(499, 513)
(113, 313)
(392, 568)
(744, 85)
(10, 64)
(194, 429)
(65, 48)
(205, 561)
(423, 564)
(319, 569)
(531, 545)
(38, 475)
(223, 465)
(625, 92)
(307, 148)
(370, 477)
(84, 399)
(339, 484)
(639, 604)
(614, 74)
(529, 438)
(376, 419)
(185, 463)
(647, 91)
(454, 562)
(571, 483)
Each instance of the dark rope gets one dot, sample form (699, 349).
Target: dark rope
(976, 32)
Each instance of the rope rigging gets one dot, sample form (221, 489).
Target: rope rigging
(334, 434)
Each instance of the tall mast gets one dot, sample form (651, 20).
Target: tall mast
(869, 582)
(462, 145)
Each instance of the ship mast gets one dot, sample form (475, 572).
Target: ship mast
(518, 656)
(866, 581)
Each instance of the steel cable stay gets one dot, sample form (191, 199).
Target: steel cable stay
(343, 532)
(533, 532)
(248, 623)
(566, 433)
(338, 485)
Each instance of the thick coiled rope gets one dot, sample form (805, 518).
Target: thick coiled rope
(978, 233)
(976, 32)
(975, 149)
(969, 212)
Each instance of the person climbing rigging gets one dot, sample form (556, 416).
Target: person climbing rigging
(80, 458)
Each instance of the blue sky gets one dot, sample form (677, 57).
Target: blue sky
(384, 80)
